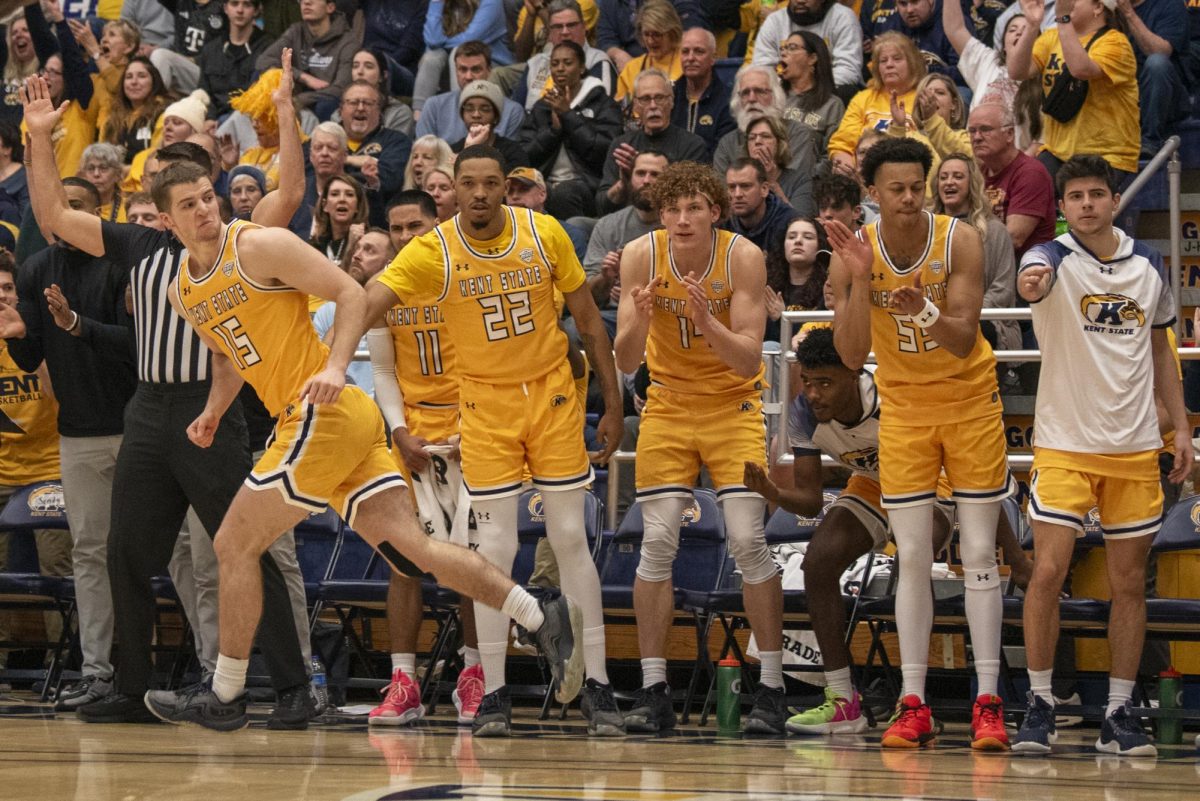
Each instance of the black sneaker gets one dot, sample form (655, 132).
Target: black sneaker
(1122, 734)
(200, 705)
(652, 711)
(293, 710)
(116, 708)
(600, 708)
(1038, 731)
(769, 715)
(494, 718)
(87, 690)
(560, 639)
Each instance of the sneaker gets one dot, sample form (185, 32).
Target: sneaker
(1038, 730)
(652, 711)
(494, 718)
(987, 724)
(293, 710)
(599, 706)
(836, 716)
(912, 725)
(468, 693)
(401, 702)
(560, 639)
(1122, 734)
(85, 691)
(1062, 721)
(769, 713)
(116, 708)
(200, 705)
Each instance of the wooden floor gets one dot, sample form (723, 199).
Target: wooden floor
(51, 757)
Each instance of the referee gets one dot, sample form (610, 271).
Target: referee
(159, 472)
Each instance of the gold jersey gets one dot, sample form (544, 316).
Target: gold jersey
(424, 354)
(920, 382)
(678, 356)
(497, 296)
(264, 330)
(32, 455)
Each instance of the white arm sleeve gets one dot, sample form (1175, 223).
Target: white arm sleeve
(383, 368)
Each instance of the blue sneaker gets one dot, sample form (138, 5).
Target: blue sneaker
(1122, 734)
(1037, 732)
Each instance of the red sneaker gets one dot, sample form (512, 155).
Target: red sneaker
(401, 702)
(468, 693)
(912, 725)
(987, 724)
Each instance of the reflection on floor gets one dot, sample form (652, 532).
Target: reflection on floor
(55, 757)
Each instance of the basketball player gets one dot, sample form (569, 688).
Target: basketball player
(909, 286)
(1100, 301)
(328, 447)
(492, 271)
(691, 307)
(421, 410)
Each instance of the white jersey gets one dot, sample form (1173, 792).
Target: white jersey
(442, 501)
(855, 446)
(1096, 391)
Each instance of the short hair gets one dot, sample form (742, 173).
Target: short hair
(10, 136)
(374, 87)
(332, 129)
(129, 32)
(176, 174)
(816, 350)
(480, 152)
(687, 178)
(138, 198)
(415, 197)
(575, 48)
(105, 153)
(894, 150)
(653, 72)
(558, 6)
(191, 152)
(710, 41)
(1084, 165)
(834, 190)
(474, 48)
(744, 162)
(651, 151)
(8, 263)
(85, 184)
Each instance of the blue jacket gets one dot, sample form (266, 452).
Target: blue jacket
(771, 229)
(712, 118)
(392, 148)
(931, 40)
(397, 28)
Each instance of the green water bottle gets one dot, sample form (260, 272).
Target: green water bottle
(1170, 696)
(729, 696)
(1060, 225)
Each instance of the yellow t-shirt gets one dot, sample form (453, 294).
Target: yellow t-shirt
(497, 295)
(74, 132)
(1109, 124)
(32, 456)
(870, 108)
(673, 68)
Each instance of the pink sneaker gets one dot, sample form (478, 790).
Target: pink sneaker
(401, 703)
(468, 694)
(836, 716)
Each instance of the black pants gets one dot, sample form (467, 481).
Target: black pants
(159, 474)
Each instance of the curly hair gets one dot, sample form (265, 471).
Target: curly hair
(817, 350)
(895, 151)
(687, 178)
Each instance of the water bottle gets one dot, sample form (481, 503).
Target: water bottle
(1170, 692)
(319, 690)
(729, 696)
(1060, 225)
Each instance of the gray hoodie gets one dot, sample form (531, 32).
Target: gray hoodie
(328, 58)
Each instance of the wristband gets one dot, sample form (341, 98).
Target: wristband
(927, 316)
(74, 322)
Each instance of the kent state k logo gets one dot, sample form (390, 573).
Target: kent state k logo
(1112, 310)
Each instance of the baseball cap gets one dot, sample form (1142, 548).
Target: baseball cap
(528, 175)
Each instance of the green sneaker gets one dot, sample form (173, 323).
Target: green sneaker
(836, 716)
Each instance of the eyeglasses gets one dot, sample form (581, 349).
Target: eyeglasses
(363, 102)
(985, 129)
(793, 47)
(652, 34)
(760, 137)
(753, 91)
(658, 100)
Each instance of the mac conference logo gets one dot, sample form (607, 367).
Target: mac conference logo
(1111, 313)
(47, 501)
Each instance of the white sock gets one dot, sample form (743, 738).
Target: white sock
(405, 662)
(470, 656)
(1120, 692)
(230, 679)
(523, 608)
(840, 682)
(987, 673)
(594, 654)
(770, 669)
(1039, 684)
(912, 527)
(492, 656)
(654, 670)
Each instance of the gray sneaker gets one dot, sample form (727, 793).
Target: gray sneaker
(600, 708)
(560, 639)
(769, 714)
(200, 705)
(652, 710)
(85, 691)
(494, 718)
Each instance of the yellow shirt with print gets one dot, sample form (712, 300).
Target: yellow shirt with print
(33, 455)
(673, 67)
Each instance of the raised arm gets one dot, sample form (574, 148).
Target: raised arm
(740, 345)
(1074, 55)
(277, 208)
(1021, 65)
(46, 194)
(955, 26)
(636, 306)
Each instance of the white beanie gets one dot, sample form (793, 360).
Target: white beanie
(192, 109)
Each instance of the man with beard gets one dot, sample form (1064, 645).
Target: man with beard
(377, 154)
(653, 101)
(755, 211)
(757, 92)
(829, 19)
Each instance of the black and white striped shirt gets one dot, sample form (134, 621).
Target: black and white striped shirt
(169, 351)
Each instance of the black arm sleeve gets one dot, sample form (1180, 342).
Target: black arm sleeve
(45, 44)
(28, 352)
(77, 78)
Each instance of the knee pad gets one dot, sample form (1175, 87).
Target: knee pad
(747, 542)
(982, 578)
(401, 563)
(660, 537)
